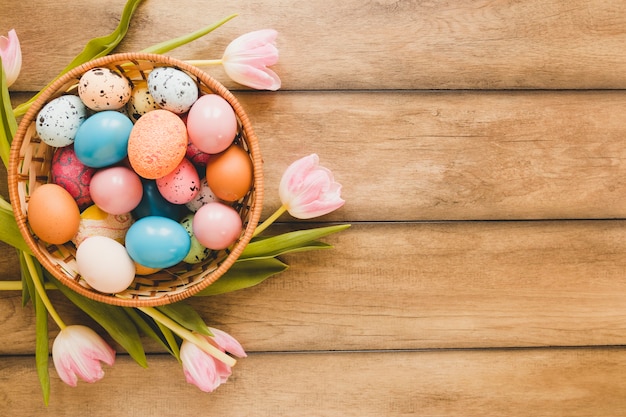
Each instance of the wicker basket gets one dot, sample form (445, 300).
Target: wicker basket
(30, 166)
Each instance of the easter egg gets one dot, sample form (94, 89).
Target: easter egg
(197, 253)
(205, 195)
(216, 226)
(172, 89)
(53, 214)
(211, 124)
(96, 222)
(157, 144)
(153, 204)
(229, 173)
(67, 171)
(58, 121)
(181, 185)
(157, 242)
(104, 89)
(102, 139)
(104, 264)
(141, 102)
(116, 190)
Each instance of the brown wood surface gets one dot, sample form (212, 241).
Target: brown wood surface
(480, 148)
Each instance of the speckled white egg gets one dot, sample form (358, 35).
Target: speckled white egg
(104, 89)
(204, 196)
(172, 89)
(58, 121)
(197, 253)
(141, 102)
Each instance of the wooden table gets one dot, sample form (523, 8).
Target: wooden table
(480, 145)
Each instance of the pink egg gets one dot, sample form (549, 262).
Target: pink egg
(116, 190)
(181, 185)
(68, 172)
(211, 124)
(216, 226)
(196, 156)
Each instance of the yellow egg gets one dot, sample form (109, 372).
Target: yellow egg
(53, 214)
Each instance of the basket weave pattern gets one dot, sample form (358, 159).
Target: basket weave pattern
(30, 164)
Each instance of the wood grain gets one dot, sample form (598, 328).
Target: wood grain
(359, 44)
(438, 285)
(572, 382)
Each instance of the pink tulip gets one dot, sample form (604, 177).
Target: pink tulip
(246, 60)
(309, 190)
(202, 369)
(77, 352)
(11, 55)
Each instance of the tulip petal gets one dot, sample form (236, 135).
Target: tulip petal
(227, 343)
(11, 55)
(199, 367)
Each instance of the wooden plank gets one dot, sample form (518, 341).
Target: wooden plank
(420, 285)
(451, 155)
(552, 382)
(357, 44)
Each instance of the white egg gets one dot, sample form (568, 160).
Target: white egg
(58, 121)
(104, 264)
(205, 195)
(172, 89)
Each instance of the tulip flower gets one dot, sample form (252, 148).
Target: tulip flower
(202, 369)
(11, 55)
(246, 59)
(77, 352)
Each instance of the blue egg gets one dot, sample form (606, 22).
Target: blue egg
(153, 204)
(157, 242)
(102, 139)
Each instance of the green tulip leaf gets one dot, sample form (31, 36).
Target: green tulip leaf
(244, 275)
(289, 242)
(147, 326)
(166, 46)
(95, 48)
(9, 232)
(7, 119)
(113, 319)
(186, 316)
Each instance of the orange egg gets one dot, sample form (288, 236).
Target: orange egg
(53, 214)
(229, 173)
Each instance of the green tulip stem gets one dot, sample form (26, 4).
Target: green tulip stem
(189, 336)
(17, 286)
(271, 219)
(204, 62)
(39, 287)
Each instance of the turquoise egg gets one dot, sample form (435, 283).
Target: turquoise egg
(153, 204)
(157, 242)
(102, 139)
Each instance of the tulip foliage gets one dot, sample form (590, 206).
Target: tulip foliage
(207, 354)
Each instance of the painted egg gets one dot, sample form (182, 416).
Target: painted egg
(197, 253)
(58, 121)
(211, 124)
(157, 144)
(153, 204)
(196, 156)
(157, 242)
(229, 174)
(217, 226)
(53, 214)
(102, 139)
(104, 89)
(144, 270)
(116, 190)
(141, 102)
(96, 222)
(205, 195)
(105, 264)
(181, 185)
(172, 89)
(67, 171)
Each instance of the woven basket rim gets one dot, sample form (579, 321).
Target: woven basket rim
(119, 59)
